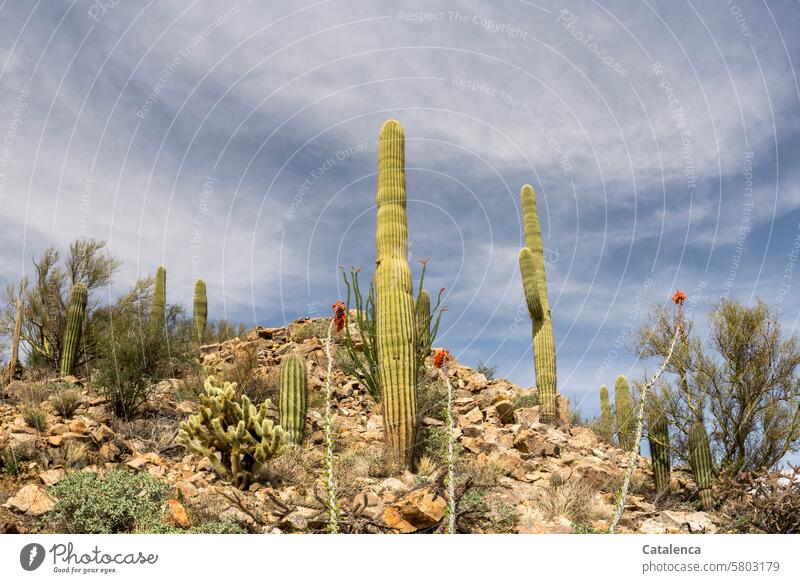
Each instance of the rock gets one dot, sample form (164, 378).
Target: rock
(420, 509)
(8, 527)
(298, 519)
(102, 433)
(368, 504)
(188, 489)
(652, 526)
(23, 445)
(185, 407)
(562, 408)
(676, 522)
(472, 417)
(176, 514)
(583, 438)
(55, 440)
(51, 477)
(148, 458)
(527, 416)
(529, 442)
(505, 412)
(32, 500)
(392, 484)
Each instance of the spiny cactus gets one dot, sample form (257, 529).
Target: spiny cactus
(294, 391)
(624, 411)
(235, 436)
(396, 322)
(658, 436)
(702, 464)
(534, 282)
(159, 306)
(606, 423)
(200, 310)
(424, 321)
(78, 296)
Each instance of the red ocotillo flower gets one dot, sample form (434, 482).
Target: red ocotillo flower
(441, 358)
(679, 297)
(339, 316)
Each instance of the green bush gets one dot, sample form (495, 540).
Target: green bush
(34, 416)
(116, 502)
(66, 402)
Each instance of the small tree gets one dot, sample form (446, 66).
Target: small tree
(742, 382)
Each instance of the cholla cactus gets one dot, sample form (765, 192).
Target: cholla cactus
(294, 389)
(534, 282)
(606, 423)
(78, 297)
(658, 436)
(702, 464)
(200, 310)
(235, 436)
(624, 406)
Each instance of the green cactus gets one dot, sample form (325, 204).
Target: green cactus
(78, 297)
(424, 321)
(534, 283)
(606, 423)
(658, 436)
(159, 306)
(200, 310)
(294, 391)
(624, 410)
(702, 464)
(396, 321)
(235, 436)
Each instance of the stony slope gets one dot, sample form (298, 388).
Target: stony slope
(517, 475)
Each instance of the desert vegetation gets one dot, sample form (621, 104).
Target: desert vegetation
(135, 416)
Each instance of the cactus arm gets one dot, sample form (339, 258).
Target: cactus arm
(76, 312)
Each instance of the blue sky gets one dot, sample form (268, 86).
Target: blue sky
(237, 143)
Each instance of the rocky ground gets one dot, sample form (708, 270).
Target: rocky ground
(516, 474)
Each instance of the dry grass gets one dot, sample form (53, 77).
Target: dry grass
(65, 402)
(570, 498)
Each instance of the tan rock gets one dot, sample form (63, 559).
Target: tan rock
(78, 426)
(102, 433)
(472, 417)
(505, 412)
(532, 443)
(143, 459)
(420, 509)
(53, 476)
(32, 500)
(176, 514)
(527, 416)
(562, 408)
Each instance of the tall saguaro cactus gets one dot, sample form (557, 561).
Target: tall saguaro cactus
(200, 310)
(658, 436)
(606, 423)
(78, 297)
(624, 410)
(534, 282)
(294, 391)
(396, 322)
(159, 306)
(701, 462)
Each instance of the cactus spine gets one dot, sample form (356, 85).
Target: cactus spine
(534, 282)
(624, 406)
(424, 320)
(294, 390)
(200, 310)
(658, 436)
(702, 465)
(396, 322)
(606, 424)
(158, 308)
(78, 296)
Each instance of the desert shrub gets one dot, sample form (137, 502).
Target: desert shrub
(250, 379)
(9, 462)
(486, 370)
(66, 402)
(35, 393)
(764, 502)
(223, 330)
(34, 416)
(116, 502)
(434, 445)
(523, 401)
(208, 527)
(569, 498)
(431, 395)
(314, 328)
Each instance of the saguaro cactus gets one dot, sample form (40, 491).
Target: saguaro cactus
(534, 282)
(424, 320)
(158, 308)
(78, 296)
(701, 462)
(396, 323)
(200, 310)
(624, 407)
(658, 436)
(292, 404)
(606, 424)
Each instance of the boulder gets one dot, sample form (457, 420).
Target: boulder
(418, 510)
(33, 500)
(176, 514)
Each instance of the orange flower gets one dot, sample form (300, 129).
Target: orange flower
(339, 316)
(679, 297)
(441, 358)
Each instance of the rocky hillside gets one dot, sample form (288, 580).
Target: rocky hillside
(515, 474)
